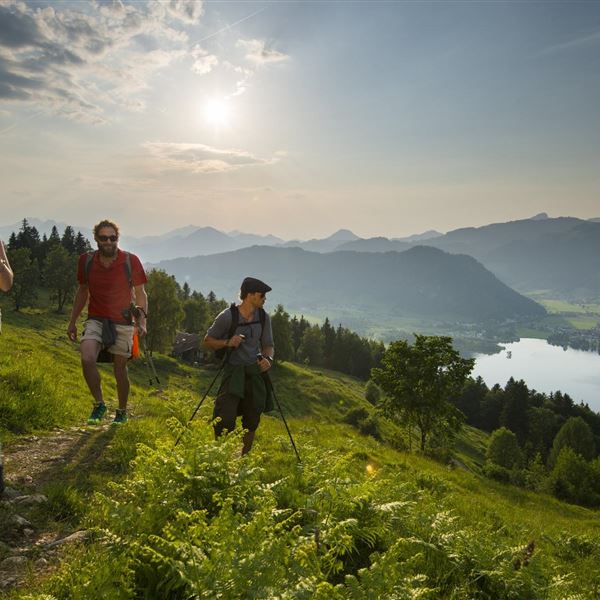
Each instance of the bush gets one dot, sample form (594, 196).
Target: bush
(497, 472)
(573, 479)
(503, 448)
(366, 422)
(372, 392)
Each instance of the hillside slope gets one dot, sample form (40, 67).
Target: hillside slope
(357, 517)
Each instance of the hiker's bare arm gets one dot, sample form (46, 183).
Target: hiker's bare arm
(81, 298)
(141, 299)
(265, 364)
(6, 274)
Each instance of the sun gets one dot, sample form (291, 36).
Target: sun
(217, 112)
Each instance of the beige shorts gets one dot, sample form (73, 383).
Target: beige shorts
(92, 330)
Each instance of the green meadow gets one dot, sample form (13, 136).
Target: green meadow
(359, 517)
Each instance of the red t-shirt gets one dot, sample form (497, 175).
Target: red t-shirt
(109, 286)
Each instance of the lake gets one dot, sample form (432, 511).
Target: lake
(545, 368)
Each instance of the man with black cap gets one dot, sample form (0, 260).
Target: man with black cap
(244, 333)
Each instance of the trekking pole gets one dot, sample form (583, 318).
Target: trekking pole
(133, 313)
(270, 384)
(203, 399)
(151, 370)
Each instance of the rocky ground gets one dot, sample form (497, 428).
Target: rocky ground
(33, 530)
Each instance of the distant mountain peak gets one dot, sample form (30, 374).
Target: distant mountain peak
(343, 235)
(540, 217)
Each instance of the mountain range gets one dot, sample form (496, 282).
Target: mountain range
(560, 256)
(422, 282)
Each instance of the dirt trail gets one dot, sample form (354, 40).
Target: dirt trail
(31, 534)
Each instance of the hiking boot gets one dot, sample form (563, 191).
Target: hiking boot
(97, 413)
(120, 417)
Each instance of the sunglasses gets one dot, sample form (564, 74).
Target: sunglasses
(106, 238)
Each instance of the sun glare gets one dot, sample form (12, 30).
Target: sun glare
(217, 112)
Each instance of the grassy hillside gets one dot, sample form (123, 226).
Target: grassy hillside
(359, 518)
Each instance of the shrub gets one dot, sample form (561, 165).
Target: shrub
(503, 448)
(372, 392)
(497, 472)
(573, 479)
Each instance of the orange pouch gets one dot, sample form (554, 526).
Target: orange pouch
(135, 347)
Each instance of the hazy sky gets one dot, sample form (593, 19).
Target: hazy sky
(298, 118)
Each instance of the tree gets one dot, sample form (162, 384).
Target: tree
(574, 479)
(470, 400)
(195, 311)
(60, 274)
(514, 412)
(282, 334)
(490, 409)
(68, 239)
(577, 435)
(311, 346)
(54, 239)
(329, 341)
(419, 380)
(26, 277)
(186, 291)
(164, 310)
(298, 329)
(503, 448)
(543, 427)
(82, 245)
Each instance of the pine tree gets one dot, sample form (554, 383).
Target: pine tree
(82, 245)
(282, 334)
(514, 414)
(68, 240)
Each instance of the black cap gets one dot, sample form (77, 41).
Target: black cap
(250, 285)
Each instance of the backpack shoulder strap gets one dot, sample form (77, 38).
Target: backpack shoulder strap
(128, 268)
(235, 319)
(262, 317)
(89, 258)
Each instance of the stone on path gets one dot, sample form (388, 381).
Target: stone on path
(78, 536)
(34, 499)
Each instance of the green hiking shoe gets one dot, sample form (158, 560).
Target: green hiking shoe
(120, 417)
(97, 413)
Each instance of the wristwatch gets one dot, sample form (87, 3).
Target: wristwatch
(269, 358)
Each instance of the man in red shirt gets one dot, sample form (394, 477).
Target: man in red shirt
(111, 279)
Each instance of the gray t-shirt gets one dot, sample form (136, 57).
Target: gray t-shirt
(246, 352)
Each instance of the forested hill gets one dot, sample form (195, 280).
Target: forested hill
(421, 282)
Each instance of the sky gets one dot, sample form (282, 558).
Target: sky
(299, 118)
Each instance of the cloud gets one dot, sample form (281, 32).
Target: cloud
(198, 158)
(203, 61)
(86, 62)
(258, 53)
(188, 11)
